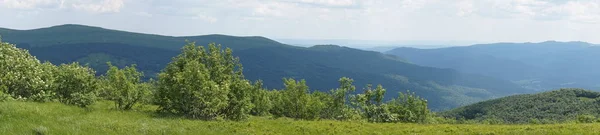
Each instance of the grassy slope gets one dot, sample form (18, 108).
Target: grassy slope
(55, 118)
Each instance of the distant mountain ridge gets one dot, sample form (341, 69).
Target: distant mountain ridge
(264, 59)
(541, 66)
(74, 34)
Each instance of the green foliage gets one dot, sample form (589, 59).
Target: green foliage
(23, 75)
(371, 105)
(295, 101)
(409, 107)
(4, 96)
(336, 107)
(204, 84)
(124, 87)
(547, 107)
(239, 104)
(586, 118)
(76, 85)
(51, 83)
(260, 99)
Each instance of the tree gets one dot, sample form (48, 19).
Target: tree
(204, 84)
(124, 86)
(76, 85)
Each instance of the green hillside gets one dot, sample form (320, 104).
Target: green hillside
(263, 59)
(553, 106)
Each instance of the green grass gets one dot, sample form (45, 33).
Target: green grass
(55, 118)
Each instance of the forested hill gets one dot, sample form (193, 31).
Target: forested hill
(553, 106)
(541, 66)
(263, 59)
(78, 34)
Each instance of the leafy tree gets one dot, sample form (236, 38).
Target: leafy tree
(204, 84)
(124, 86)
(76, 85)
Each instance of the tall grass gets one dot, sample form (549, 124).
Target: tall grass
(55, 118)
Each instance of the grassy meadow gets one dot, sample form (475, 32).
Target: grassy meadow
(56, 118)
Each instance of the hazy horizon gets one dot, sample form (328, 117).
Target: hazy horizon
(483, 21)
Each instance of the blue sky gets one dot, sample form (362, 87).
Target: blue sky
(381, 20)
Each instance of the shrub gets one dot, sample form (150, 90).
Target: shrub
(124, 87)
(371, 105)
(295, 101)
(336, 107)
(76, 85)
(204, 84)
(23, 75)
(3, 95)
(586, 118)
(409, 107)
(260, 99)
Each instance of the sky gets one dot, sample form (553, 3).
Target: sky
(365, 20)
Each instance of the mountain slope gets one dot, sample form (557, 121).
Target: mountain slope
(559, 105)
(76, 34)
(540, 66)
(267, 60)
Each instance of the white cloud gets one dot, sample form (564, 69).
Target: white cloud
(143, 13)
(577, 11)
(587, 12)
(367, 19)
(415, 4)
(94, 6)
(105, 6)
(270, 9)
(465, 8)
(331, 3)
(205, 18)
(30, 4)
